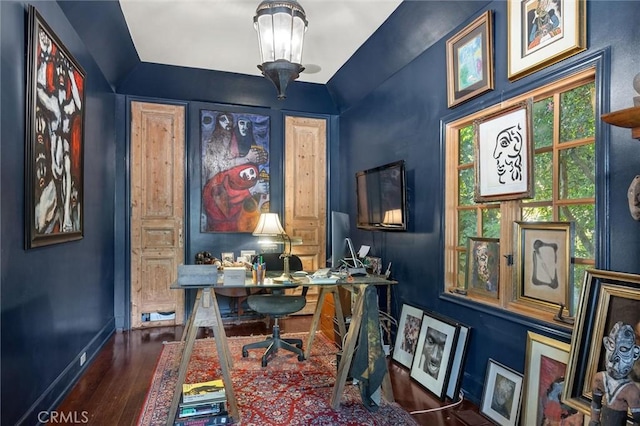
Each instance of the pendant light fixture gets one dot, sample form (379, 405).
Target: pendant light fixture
(281, 25)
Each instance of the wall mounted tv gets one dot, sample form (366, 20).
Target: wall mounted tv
(382, 198)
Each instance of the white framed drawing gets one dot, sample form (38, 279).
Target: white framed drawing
(408, 332)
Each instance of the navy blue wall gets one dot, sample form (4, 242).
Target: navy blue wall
(401, 119)
(57, 301)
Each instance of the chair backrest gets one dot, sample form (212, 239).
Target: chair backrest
(274, 262)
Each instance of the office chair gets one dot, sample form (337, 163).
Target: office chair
(277, 305)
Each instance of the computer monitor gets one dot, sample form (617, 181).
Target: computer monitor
(340, 229)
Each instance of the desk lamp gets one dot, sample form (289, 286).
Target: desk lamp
(269, 226)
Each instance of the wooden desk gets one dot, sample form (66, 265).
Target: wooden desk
(206, 313)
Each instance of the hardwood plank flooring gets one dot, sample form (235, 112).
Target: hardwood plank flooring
(113, 388)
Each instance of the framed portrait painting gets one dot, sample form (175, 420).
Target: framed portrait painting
(407, 338)
(504, 154)
(501, 394)
(543, 264)
(54, 166)
(607, 298)
(483, 266)
(545, 376)
(434, 353)
(543, 32)
(470, 60)
(235, 170)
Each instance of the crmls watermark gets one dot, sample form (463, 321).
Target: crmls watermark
(64, 417)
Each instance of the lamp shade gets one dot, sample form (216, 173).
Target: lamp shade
(269, 225)
(392, 217)
(280, 25)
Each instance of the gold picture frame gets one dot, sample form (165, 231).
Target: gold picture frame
(543, 265)
(607, 297)
(470, 60)
(542, 33)
(544, 380)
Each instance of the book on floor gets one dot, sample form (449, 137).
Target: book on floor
(206, 420)
(203, 391)
(201, 409)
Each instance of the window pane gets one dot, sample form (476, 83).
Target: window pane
(467, 226)
(462, 267)
(466, 145)
(577, 114)
(537, 214)
(577, 172)
(543, 123)
(543, 176)
(584, 221)
(491, 223)
(465, 183)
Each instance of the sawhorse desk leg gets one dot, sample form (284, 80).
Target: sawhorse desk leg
(206, 313)
(348, 350)
(324, 290)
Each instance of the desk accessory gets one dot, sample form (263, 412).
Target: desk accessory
(197, 274)
(234, 275)
(269, 226)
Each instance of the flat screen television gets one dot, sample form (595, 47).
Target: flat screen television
(382, 198)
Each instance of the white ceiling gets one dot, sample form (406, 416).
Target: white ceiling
(219, 34)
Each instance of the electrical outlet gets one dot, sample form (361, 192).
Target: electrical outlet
(83, 358)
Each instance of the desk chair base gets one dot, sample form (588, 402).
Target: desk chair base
(273, 343)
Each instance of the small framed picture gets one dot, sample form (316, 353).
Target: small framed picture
(408, 332)
(545, 376)
(504, 154)
(434, 353)
(541, 33)
(501, 394)
(470, 60)
(483, 266)
(228, 256)
(247, 255)
(457, 366)
(543, 264)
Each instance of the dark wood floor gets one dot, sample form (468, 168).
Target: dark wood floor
(113, 388)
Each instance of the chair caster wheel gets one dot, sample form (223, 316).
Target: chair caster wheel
(264, 361)
(300, 358)
(245, 354)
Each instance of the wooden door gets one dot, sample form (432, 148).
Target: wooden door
(157, 210)
(305, 193)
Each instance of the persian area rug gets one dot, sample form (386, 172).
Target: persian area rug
(286, 392)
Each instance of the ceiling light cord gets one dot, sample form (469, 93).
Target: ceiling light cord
(454, 404)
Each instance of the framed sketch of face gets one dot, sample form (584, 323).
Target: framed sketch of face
(407, 338)
(501, 394)
(432, 361)
(504, 155)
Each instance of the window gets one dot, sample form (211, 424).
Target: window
(563, 116)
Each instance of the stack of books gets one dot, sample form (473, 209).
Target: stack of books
(203, 404)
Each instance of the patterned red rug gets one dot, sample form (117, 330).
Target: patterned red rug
(286, 392)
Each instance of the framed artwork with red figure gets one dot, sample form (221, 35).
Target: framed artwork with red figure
(235, 170)
(55, 139)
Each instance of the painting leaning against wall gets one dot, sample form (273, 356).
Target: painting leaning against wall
(234, 170)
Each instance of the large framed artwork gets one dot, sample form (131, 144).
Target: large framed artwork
(545, 376)
(501, 394)
(504, 154)
(54, 139)
(483, 266)
(607, 298)
(543, 32)
(543, 264)
(470, 60)
(407, 338)
(434, 353)
(234, 169)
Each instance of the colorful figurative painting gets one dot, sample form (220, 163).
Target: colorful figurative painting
(235, 170)
(551, 410)
(470, 64)
(55, 139)
(543, 23)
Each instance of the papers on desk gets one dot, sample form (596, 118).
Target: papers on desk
(331, 279)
